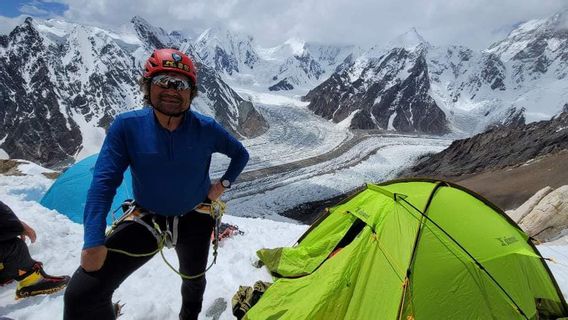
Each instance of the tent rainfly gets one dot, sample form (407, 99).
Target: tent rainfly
(68, 193)
(410, 249)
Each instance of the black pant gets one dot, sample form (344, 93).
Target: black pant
(15, 257)
(89, 294)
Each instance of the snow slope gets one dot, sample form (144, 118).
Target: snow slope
(59, 244)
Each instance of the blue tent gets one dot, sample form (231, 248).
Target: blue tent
(68, 193)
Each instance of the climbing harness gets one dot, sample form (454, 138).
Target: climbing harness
(168, 237)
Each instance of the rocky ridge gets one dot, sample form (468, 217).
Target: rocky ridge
(496, 148)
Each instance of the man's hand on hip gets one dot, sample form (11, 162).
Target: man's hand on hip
(92, 259)
(215, 191)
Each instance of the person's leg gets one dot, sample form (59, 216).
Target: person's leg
(192, 250)
(17, 264)
(89, 294)
(16, 260)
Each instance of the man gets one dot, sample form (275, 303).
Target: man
(16, 262)
(168, 149)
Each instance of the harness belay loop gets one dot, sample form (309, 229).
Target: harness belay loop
(167, 238)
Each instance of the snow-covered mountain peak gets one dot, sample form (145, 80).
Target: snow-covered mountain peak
(534, 37)
(291, 47)
(56, 27)
(560, 20)
(296, 45)
(179, 36)
(214, 34)
(27, 34)
(294, 64)
(227, 51)
(219, 39)
(29, 24)
(140, 22)
(555, 23)
(205, 35)
(528, 27)
(153, 37)
(408, 40)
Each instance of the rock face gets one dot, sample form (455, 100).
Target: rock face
(282, 85)
(9, 167)
(373, 94)
(549, 217)
(237, 115)
(61, 84)
(496, 148)
(518, 214)
(34, 125)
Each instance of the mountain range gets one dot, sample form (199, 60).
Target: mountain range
(409, 85)
(62, 83)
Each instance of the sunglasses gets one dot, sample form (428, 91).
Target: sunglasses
(168, 82)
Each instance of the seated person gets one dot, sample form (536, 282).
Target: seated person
(16, 262)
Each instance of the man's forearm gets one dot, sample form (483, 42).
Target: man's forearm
(236, 166)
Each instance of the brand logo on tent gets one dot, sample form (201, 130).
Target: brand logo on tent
(505, 241)
(362, 213)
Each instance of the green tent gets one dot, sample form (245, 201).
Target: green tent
(410, 249)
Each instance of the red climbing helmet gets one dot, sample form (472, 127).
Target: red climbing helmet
(170, 60)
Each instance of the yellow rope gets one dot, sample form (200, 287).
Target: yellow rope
(135, 255)
(184, 276)
(391, 259)
(404, 287)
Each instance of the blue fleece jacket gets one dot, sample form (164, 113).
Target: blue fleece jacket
(170, 170)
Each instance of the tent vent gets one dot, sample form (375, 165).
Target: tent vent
(353, 231)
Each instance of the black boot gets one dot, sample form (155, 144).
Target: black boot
(190, 311)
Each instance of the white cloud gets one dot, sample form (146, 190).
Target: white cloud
(33, 10)
(8, 24)
(475, 23)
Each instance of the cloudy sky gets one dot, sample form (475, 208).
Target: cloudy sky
(475, 23)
